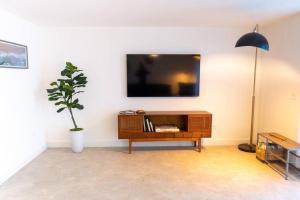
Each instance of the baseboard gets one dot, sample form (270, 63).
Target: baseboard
(124, 143)
(25, 162)
(224, 142)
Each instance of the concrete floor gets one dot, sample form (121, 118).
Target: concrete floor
(216, 173)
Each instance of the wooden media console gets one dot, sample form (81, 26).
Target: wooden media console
(193, 125)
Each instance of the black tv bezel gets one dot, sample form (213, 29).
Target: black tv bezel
(198, 75)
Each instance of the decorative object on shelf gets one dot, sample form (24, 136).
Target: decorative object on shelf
(167, 128)
(140, 111)
(63, 93)
(256, 40)
(261, 151)
(127, 112)
(13, 55)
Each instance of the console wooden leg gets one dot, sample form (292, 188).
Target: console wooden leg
(199, 145)
(129, 146)
(195, 143)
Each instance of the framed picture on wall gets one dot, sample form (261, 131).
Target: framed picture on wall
(13, 55)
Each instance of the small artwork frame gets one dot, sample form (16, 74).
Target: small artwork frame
(13, 55)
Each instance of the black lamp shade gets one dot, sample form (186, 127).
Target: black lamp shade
(253, 39)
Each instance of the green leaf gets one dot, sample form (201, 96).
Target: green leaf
(53, 98)
(68, 95)
(68, 81)
(79, 75)
(53, 83)
(64, 72)
(61, 81)
(52, 90)
(61, 109)
(69, 105)
(79, 85)
(75, 101)
(80, 78)
(54, 94)
(77, 92)
(71, 68)
(59, 103)
(67, 87)
(80, 107)
(69, 64)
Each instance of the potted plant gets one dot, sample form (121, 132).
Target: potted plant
(63, 94)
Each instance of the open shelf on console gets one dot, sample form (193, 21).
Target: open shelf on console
(181, 121)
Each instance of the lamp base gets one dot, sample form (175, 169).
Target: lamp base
(251, 148)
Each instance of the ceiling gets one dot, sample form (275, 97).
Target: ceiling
(123, 13)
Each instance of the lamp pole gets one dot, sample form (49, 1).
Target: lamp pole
(253, 99)
(253, 93)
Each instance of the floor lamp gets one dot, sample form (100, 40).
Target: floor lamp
(256, 40)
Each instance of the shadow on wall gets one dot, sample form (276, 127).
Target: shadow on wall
(282, 20)
(281, 69)
(280, 98)
(287, 64)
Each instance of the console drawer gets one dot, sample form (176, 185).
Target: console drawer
(200, 124)
(130, 123)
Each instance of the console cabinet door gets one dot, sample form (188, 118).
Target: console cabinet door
(200, 124)
(129, 124)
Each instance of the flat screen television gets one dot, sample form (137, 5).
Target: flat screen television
(163, 75)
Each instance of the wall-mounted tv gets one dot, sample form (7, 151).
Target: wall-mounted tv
(163, 75)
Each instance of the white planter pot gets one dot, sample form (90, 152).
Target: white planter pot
(77, 141)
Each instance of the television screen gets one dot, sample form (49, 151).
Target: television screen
(163, 75)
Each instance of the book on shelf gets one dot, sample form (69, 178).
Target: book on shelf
(144, 126)
(151, 126)
(148, 126)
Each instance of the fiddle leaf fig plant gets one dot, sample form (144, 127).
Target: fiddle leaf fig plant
(64, 91)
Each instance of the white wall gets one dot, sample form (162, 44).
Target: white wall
(22, 135)
(280, 85)
(226, 78)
